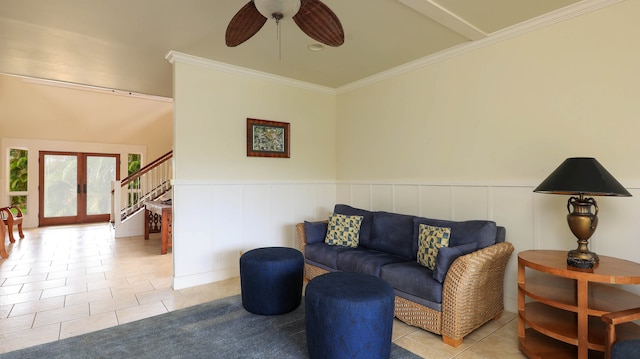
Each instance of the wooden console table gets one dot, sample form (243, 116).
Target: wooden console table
(561, 317)
(165, 211)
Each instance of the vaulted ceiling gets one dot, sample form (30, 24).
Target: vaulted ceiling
(122, 44)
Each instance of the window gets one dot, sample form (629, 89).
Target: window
(18, 177)
(133, 165)
(133, 162)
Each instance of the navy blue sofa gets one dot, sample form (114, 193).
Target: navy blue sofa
(461, 293)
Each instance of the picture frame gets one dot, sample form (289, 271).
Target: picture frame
(267, 138)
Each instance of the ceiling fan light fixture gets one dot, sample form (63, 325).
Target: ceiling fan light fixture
(283, 9)
(315, 47)
(313, 17)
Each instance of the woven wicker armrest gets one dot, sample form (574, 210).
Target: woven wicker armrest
(301, 236)
(473, 290)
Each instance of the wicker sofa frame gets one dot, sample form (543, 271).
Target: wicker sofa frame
(473, 293)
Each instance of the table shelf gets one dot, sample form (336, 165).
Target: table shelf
(559, 307)
(538, 346)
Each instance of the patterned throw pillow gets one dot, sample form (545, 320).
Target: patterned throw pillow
(343, 230)
(430, 240)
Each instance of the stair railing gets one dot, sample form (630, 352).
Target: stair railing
(146, 184)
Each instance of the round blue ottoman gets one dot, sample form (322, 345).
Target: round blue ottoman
(271, 280)
(348, 315)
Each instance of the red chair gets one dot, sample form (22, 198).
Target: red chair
(9, 217)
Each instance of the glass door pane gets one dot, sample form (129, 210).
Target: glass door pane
(100, 172)
(60, 185)
(76, 187)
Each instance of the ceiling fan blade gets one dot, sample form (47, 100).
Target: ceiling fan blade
(246, 23)
(320, 23)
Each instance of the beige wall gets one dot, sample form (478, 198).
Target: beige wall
(35, 111)
(511, 111)
(211, 110)
(225, 202)
(471, 136)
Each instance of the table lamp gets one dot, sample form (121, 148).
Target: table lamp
(581, 177)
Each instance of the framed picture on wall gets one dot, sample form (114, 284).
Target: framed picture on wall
(267, 138)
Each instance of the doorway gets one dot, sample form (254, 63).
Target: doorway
(76, 187)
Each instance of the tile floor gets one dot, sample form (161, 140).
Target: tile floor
(64, 281)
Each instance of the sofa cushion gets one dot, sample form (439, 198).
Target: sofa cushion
(626, 349)
(393, 233)
(365, 226)
(410, 277)
(367, 261)
(501, 234)
(315, 232)
(430, 240)
(479, 231)
(343, 230)
(448, 255)
(324, 254)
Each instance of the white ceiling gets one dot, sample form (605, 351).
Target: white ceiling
(122, 44)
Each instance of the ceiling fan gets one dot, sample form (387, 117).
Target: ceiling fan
(313, 17)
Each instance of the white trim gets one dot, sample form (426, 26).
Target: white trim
(540, 22)
(445, 18)
(204, 278)
(531, 183)
(80, 87)
(232, 182)
(174, 56)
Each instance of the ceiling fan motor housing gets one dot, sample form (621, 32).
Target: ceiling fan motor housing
(278, 9)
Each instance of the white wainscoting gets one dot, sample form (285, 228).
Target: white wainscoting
(215, 222)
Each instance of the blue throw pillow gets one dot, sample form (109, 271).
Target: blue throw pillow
(315, 232)
(448, 255)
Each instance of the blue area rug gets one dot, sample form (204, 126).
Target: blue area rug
(218, 329)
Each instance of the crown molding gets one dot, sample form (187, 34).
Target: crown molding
(540, 22)
(446, 18)
(174, 56)
(89, 88)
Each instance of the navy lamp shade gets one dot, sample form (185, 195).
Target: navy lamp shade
(581, 177)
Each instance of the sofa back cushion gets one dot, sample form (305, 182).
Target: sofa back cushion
(365, 227)
(476, 231)
(501, 234)
(393, 233)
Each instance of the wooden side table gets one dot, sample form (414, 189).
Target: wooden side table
(559, 307)
(166, 213)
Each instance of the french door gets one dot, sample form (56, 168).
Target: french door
(76, 187)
